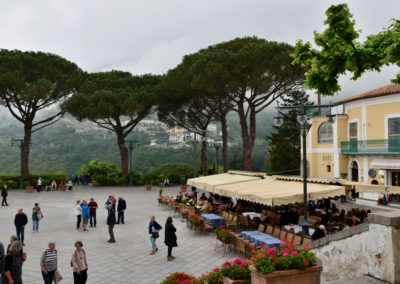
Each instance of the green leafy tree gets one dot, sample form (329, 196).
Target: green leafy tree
(253, 73)
(31, 82)
(340, 52)
(116, 101)
(284, 142)
(182, 106)
(96, 167)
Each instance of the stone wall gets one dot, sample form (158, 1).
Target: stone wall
(367, 249)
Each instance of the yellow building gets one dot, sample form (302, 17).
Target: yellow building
(364, 142)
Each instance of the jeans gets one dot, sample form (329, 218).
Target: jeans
(93, 219)
(80, 279)
(169, 251)
(111, 232)
(35, 225)
(153, 242)
(121, 217)
(78, 221)
(48, 279)
(39, 188)
(20, 233)
(4, 201)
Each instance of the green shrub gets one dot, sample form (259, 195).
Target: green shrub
(174, 178)
(12, 181)
(96, 167)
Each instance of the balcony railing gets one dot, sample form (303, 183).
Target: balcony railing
(376, 147)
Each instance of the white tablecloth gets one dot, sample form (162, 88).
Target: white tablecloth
(297, 229)
(251, 214)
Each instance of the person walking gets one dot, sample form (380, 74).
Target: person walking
(48, 263)
(78, 213)
(92, 212)
(36, 217)
(4, 194)
(85, 215)
(170, 238)
(121, 209)
(20, 221)
(69, 185)
(154, 229)
(12, 270)
(2, 256)
(111, 222)
(39, 184)
(79, 264)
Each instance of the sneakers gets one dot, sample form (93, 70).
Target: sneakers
(111, 241)
(169, 258)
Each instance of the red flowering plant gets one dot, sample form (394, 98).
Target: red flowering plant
(195, 219)
(288, 256)
(179, 278)
(222, 233)
(174, 204)
(237, 269)
(214, 277)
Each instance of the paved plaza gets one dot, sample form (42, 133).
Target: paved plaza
(128, 260)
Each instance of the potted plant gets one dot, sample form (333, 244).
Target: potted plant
(178, 278)
(195, 220)
(183, 185)
(286, 264)
(148, 185)
(223, 235)
(236, 272)
(62, 186)
(29, 188)
(214, 277)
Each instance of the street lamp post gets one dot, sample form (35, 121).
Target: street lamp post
(217, 144)
(194, 143)
(304, 127)
(130, 147)
(21, 147)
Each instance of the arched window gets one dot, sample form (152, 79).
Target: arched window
(325, 133)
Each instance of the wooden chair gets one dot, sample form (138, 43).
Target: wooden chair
(238, 244)
(283, 234)
(248, 248)
(246, 222)
(277, 232)
(270, 230)
(232, 224)
(272, 218)
(278, 219)
(297, 240)
(290, 236)
(307, 240)
(207, 227)
(264, 212)
(261, 228)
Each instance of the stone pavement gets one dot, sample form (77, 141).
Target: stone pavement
(128, 260)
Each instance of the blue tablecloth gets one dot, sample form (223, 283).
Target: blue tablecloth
(247, 234)
(216, 220)
(260, 239)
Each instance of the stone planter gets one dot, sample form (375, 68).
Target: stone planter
(94, 182)
(63, 187)
(148, 187)
(311, 275)
(29, 189)
(227, 280)
(183, 188)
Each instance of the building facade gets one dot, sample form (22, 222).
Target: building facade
(363, 144)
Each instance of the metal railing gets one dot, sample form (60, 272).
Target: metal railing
(377, 147)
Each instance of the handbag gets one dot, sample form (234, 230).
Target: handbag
(40, 216)
(155, 235)
(57, 277)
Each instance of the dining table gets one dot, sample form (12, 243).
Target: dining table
(260, 239)
(215, 220)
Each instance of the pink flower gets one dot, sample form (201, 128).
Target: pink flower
(306, 263)
(285, 254)
(295, 253)
(271, 251)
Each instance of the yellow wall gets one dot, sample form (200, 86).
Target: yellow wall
(356, 113)
(376, 119)
(319, 163)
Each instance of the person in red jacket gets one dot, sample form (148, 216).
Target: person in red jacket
(92, 212)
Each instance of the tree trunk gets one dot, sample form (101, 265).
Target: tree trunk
(224, 129)
(25, 147)
(204, 157)
(124, 153)
(247, 146)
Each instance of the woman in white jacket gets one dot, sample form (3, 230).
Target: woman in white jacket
(78, 213)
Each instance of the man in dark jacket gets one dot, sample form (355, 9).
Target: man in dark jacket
(121, 209)
(111, 222)
(4, 194)
(318, 233)
(20, 221)
(170, 238)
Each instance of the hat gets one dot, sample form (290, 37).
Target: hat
(321, 227)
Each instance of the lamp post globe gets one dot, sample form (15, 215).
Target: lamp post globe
(278, 121)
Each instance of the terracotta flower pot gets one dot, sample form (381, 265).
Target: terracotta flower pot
(183, 188)
(63, 187)
(148, 186)
(311, 275)
(227, 280)
(29, 189)
(224, 241)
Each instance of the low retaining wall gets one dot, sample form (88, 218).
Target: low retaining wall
(368, 249)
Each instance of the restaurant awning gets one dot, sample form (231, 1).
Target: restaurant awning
(273, 192)
(390, 164)
(377, 189)
(208, 183)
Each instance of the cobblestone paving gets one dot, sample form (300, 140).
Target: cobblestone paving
(128, 260)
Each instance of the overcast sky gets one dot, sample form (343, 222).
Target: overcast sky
(152, 36)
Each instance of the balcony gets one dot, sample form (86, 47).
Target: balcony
(372, 147)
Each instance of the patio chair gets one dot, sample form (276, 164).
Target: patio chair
(307, 240)
(277, 232)
(297, 240)
(283, 234)
(248, 249)
(290, 236)
(232, 224)
(270, 230)
(207, 227)
(264, 212)
(261, 228)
